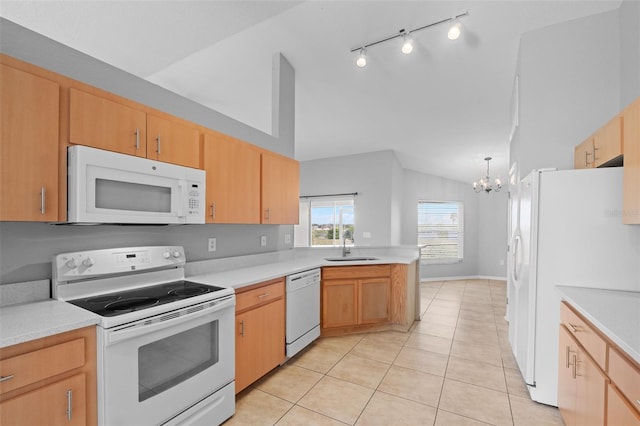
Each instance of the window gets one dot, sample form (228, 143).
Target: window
(440, 230)
(325, 221)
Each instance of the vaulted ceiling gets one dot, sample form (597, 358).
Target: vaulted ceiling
(442, 109)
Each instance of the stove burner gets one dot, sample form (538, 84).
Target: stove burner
(103, 299)
(132, 304)
(187, 291)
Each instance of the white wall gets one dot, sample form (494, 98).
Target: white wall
(629, 51)
(569, 86)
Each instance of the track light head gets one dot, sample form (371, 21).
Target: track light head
(361, 62)
(455, 29)
(407, 44)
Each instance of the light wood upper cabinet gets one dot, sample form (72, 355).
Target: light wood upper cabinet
(172, 142)
(101, 123)
(280, 189)
(631, 172)
(607, 142)
(29, 106)
(233, 180)
(52, 380)
(260, 331)
(583, 155)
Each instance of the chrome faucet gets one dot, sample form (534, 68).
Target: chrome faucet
(346, 250)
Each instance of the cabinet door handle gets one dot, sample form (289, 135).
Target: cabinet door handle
(586, 158)
(158, 144)
(267, 214)
(242, 328)
(213, 210)
(567, 364)
(573, 328)
(69, 404)
(5, 378)
(262, 296)
(575, 362)
(43, 200)
(137, 139)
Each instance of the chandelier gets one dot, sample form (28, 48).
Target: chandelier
(486, 184)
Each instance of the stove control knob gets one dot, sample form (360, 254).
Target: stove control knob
(72, 263)
(176, 254)
(166, 255)
(88, 262)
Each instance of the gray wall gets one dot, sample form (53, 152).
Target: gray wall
(371, 175)
(569, 87)
(629, 51)
(386, 206)
(418, 186)
(492, 234)
(26, 248)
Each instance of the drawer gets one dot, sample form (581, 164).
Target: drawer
(625, 376)
(259, 294)
(585, 334)
(31, 367)
(355, 272)
(619, 411)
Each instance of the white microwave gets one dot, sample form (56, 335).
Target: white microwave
(108, 187)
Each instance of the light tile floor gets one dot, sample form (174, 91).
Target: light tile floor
(454, 367)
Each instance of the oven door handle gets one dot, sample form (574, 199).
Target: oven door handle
(170, 319)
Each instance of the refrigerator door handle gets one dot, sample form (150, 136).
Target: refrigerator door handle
(516, 244)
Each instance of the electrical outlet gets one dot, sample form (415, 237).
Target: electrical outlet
(263, 241)
(287, 238)
(212, 244)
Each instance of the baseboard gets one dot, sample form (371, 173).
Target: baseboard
(469, 277)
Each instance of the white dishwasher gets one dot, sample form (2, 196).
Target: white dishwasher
(303, 310)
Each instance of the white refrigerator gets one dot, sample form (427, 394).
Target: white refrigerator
(565, 229)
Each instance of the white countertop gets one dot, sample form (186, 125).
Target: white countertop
(29, 321)
(259, 268)
(615, 313)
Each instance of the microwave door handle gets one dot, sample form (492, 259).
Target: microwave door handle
(182, 197)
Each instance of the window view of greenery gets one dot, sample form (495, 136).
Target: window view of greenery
(440, 230)
(331, 222)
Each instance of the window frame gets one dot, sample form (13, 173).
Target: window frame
(306, 224)
(425, 258)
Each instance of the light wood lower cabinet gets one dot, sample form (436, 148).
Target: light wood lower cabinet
(260, 331)
(354, 296)
(50, 381)
(581, 385)
(597, 383)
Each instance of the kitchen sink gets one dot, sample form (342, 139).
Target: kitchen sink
(349, 259)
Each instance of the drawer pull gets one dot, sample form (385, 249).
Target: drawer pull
(5, 378)
(69, 404)
(262, 296)
(573, 328)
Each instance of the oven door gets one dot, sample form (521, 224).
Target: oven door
(154, 369)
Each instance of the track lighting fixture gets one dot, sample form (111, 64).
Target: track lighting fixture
(455, 29)
(407, 44)
(361, 62)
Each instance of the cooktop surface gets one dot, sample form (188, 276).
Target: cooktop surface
(123, 302)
